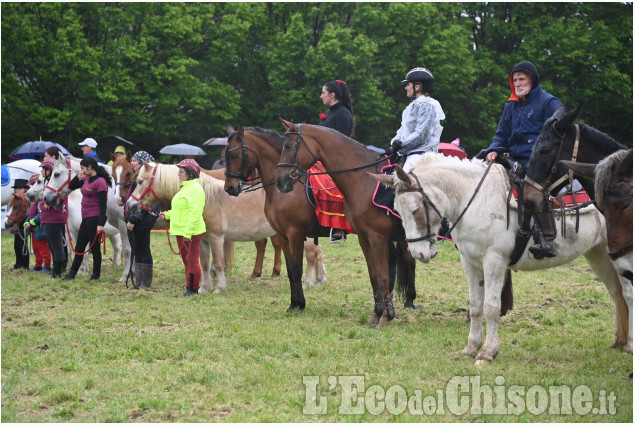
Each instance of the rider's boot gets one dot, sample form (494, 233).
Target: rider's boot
(544, 234)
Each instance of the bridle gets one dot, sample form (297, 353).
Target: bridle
(145, 192)
(427, 205)
(245, 164)
(547, 186)
(296, 171)
(18, 217)
(58, 191)
(126, 185)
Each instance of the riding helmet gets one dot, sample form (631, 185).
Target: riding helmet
(421, 75)
(190, 165)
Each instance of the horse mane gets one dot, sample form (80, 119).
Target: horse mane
(603, 174)
(603, 142)
(167, 180)
(265, 133)
(14, 199)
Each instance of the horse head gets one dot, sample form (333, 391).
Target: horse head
(57, 188)
(238, 166)
(555, 142)
(144, 195)
(18, 210)
(289, 168)
(417, 210)
(35, 192)
(122, 174)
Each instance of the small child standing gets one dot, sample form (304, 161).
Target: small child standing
(16, 223)
(40, 244)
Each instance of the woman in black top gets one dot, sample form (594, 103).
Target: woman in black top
(339, 116)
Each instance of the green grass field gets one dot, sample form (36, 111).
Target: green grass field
(85, 351)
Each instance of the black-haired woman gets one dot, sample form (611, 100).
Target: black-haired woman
(339, 116)
(94, 181)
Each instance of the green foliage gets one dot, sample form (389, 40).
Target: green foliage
(162, 73)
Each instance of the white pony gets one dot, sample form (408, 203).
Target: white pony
(442, 188)
(21, 169)
(60, 178)
(35, 194)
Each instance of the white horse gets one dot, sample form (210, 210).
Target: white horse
(21, 169)
(227, 218)
(60, 178)
(442, 188)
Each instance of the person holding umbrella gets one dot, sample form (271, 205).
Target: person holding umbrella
(186, 221)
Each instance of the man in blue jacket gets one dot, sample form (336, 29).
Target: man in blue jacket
(523, 116)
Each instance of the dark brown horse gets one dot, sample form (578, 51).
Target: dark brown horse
(290, 214)
(304, 145)
(562, 139)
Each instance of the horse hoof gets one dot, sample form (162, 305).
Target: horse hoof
(374, 321)
(628, 348)
(468, 352)
(294, 308)
(481, 362)
(484, 358)
(409, 304)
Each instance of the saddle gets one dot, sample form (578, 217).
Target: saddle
(327, 199)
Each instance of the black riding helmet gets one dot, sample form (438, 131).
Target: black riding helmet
(422, 76)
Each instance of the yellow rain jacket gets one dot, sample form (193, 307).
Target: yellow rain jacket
(186, 215)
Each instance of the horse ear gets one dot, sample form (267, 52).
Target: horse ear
(241, 131)
(568, 119)
(385, 179)
(404, 177)
(128, 155)
(288, 126)
(112, 157)
(625, 166)
(230, 129)
(147, 166)
(581, 169)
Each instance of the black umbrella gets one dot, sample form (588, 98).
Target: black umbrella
(106, 145)
(30, 150)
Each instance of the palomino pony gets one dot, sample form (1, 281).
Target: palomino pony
(304, 145)
(561, 139)
(484, 239)
(226, 218)
(123, 175)
(57, 188)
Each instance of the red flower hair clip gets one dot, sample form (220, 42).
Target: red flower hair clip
(341, 82)
(322, 116)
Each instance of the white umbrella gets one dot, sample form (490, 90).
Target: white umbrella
(216, 141)
(183, 149)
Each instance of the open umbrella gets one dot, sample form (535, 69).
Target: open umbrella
(216, 141)
(106, 145)
(449, 149)
(30, 150)
(183, 149)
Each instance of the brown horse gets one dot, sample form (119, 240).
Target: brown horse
(18, 212)
(293, 216)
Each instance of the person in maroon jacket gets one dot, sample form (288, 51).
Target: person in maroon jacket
(53, 220)
(94, 181)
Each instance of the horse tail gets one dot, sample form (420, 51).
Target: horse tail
(507, 294)
(405, 274)
(228, 251)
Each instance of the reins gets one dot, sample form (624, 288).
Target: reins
(298, 172)
(427, 201)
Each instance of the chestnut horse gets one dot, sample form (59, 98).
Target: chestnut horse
(305, 144)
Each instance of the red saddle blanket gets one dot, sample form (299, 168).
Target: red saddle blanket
(329, 201)
(580, 196)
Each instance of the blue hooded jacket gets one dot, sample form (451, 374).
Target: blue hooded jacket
(521, 122)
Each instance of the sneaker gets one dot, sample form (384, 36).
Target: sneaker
(46, 269)
(94, 277)
(36, 269)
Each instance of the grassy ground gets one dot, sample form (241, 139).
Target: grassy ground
(82, 351)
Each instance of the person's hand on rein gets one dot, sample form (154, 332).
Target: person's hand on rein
(100, 229)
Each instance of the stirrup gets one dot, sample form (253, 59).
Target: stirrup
(342, 238)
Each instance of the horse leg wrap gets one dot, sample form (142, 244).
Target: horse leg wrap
(389, 307)
(379, 303)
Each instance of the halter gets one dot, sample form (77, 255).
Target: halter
(245, 164)
(17, 218)
(546, 188)
(66, 183)
(145, 192)
(126, 185)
